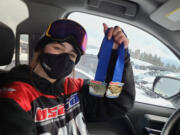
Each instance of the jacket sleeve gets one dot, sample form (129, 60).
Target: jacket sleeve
(14, 120)
(103, 108)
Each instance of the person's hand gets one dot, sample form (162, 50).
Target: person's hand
(117, 35)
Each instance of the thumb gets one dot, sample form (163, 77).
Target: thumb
(105, 27)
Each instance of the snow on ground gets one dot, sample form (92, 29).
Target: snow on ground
(84, 73)
(138, 72)
(140, 62)
(142, 97)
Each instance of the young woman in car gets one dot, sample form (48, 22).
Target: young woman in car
(40, 99)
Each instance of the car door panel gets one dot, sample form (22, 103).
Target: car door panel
(149, 119)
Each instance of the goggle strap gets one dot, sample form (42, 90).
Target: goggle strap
(47, 32)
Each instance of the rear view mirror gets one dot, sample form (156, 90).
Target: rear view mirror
(166, 87)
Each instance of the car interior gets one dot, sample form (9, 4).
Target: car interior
(160, 18)
(7, 49)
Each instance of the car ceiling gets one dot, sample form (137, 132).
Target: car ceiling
(135, 12)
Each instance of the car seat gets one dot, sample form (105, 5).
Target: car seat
(121, 126)
(7, 44)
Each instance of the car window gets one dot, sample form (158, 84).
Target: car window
(24, 49)
(14, 12)
(149, 56)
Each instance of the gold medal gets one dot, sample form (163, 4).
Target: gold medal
(114, 89)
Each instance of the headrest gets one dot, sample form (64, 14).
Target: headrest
(7, 44)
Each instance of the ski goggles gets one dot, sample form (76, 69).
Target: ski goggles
(62, 29)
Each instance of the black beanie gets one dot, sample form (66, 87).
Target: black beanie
(44, 40)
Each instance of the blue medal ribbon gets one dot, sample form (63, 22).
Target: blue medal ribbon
(104, 59)
(119, 67)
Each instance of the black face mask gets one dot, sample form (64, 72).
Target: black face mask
(56, 66)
